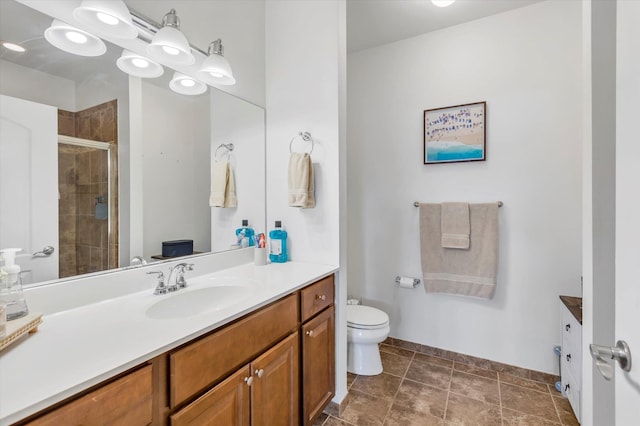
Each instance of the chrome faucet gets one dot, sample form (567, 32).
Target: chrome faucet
(180, 270)
(161, 288)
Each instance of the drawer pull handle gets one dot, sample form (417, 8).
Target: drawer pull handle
(310, 333)
(567, 327)
(259, 373)
(567, 388)
(320, 297)
(248, 380)
(568, 357)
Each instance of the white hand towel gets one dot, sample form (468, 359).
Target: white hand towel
(301, 181)
(455, 225)
(223, 191)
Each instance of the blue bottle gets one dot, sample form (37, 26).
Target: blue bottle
(245, 235)
(278, 244)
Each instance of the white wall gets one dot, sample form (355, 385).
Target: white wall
(175, 169)
(37, 86)
(242, 124)
(304, 92)
(526, 64)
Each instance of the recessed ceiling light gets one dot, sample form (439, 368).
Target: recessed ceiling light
(442, 3)
(14, 47)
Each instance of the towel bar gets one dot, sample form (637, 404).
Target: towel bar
(417, 204)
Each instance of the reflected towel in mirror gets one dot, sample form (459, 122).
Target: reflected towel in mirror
(223, 190)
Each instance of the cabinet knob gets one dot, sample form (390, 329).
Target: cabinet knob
(259, 373)
(320, 297)
(567, 327)
(309, 333)
(568, 357)
(248, 380)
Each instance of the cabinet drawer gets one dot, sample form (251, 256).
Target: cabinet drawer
(571, 329)
(571, 389)
(316, 297)
(126, 401)
(572, 361)
(204, 362)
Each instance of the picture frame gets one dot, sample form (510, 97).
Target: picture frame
(455, 134)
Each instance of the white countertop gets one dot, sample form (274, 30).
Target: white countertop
(80, 347)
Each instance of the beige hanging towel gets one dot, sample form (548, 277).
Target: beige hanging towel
(301, 181)
(223, 189)
(469, 272)
(455, 225)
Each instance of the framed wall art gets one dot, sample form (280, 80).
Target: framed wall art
(455, 134)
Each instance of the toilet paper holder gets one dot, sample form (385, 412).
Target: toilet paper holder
(405, 281)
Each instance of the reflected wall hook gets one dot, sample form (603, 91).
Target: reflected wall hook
(46, 251)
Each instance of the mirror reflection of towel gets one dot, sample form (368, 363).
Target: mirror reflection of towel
(102, 211)
(301, 185)
(223, 189)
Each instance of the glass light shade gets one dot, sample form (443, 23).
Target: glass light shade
(74, 40)
(138, 66)
(106, 17)
(216, 70)
(443, 3)
(169, 46)
(186, 85)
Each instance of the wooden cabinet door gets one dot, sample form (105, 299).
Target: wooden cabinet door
(276, 385)
(227, 404)
(318, 360)
(126, 401)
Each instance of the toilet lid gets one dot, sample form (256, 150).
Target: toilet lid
(359, 316)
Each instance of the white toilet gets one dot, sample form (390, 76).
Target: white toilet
(366, 327)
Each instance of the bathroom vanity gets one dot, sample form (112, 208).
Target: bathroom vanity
(571, 358)
(269, 354)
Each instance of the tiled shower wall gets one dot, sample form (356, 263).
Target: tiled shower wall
(86, 243)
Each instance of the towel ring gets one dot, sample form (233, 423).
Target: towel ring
(228, 146)
(306, 136)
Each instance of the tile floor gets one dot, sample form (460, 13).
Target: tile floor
(419, 389)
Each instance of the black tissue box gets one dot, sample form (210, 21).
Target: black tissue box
(177, 248)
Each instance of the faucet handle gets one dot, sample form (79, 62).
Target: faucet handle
(161, 288)
(182, 268)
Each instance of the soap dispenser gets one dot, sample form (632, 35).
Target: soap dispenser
(11, 285)
(245, 235)
(278, 244)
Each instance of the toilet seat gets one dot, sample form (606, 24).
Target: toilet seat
(366, 317)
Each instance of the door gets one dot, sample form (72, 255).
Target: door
(318, 359)
(227, 404)
(276, 384)
(627, 288)
(624, 289)
(29, 185)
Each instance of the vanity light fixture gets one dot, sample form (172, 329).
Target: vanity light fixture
(443, 3)
(138, 66)
(186, 85)
(215, 68)
(169, 45)
(106, 17)
(13, 46)
(74, 40)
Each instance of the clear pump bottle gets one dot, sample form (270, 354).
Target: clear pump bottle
(11, 286)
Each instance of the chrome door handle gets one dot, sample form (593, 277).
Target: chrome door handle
(620, 352)
(46, 251)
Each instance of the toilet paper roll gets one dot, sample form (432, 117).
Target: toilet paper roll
(406, 282)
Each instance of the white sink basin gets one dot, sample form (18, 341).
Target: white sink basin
(187, 303)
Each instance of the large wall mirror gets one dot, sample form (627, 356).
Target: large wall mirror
(103, 167)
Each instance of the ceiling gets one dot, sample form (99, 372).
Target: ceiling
(372, 23)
